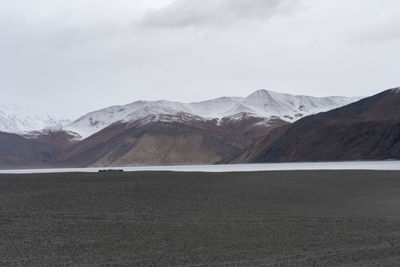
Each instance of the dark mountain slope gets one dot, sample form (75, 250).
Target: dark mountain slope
(39, 150)
(366, 130)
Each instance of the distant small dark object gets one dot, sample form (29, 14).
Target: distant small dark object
(111, 170)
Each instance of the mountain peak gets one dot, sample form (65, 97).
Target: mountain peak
(260, 93)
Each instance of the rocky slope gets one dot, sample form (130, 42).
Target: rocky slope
(165, 141)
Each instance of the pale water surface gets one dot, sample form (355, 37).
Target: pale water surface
(348, 165)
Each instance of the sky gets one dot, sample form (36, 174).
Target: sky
(67, 58)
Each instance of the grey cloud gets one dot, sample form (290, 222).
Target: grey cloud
(185, 13)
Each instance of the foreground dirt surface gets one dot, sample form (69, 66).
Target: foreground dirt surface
(192, 219)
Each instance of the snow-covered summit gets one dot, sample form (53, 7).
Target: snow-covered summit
(262, 103)
(17, 119)
(292, 107)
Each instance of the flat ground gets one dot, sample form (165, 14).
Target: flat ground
(173, 219)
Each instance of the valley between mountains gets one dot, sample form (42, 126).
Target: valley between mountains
(264, 127)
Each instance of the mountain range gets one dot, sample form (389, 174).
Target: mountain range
(265, 126)
(265, 105)
(368, 129)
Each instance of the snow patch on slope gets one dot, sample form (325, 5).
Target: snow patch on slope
(396, 90)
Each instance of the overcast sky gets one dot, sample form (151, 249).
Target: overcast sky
(70, 57)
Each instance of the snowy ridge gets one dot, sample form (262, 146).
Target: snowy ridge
(262, 103)
(16, 119)
(291, 107)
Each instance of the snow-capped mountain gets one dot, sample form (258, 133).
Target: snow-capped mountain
(366, 130)
(262, 103)
(16, 119)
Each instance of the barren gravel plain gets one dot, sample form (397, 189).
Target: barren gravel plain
(285, 218)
